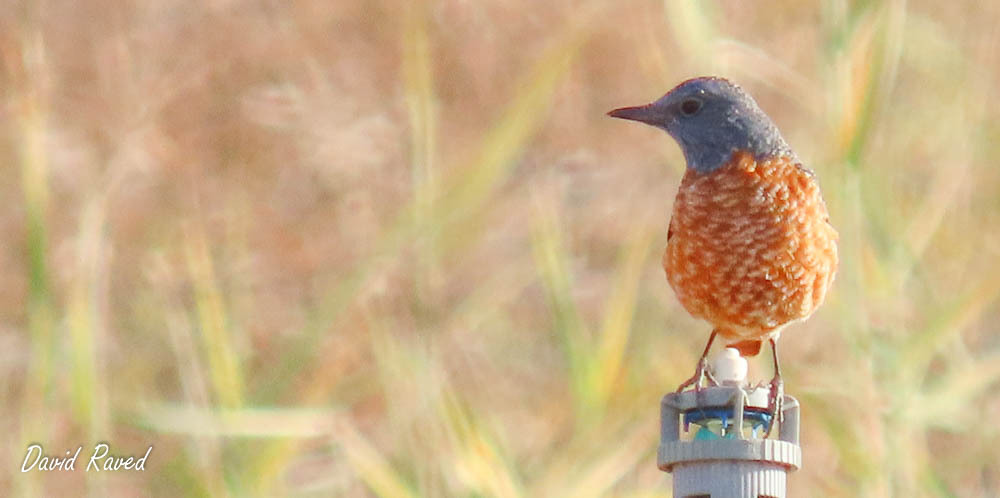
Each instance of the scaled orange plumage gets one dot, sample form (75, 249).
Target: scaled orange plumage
(750, 247)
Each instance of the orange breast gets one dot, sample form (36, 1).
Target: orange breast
(751, 248)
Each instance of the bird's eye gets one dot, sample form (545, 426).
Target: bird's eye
(690, 107)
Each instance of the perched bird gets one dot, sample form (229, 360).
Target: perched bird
(750, 248)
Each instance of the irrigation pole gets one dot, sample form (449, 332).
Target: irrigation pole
(714, 440)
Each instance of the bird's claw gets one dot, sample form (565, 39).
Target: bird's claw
(701, 373)
(775, 401)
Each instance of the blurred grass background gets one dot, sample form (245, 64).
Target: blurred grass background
(394, 248)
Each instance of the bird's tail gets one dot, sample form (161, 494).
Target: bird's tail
(747, 348)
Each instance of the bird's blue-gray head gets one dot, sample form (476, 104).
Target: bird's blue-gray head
(711, 118)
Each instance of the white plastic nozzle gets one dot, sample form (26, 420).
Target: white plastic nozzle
(729, 367)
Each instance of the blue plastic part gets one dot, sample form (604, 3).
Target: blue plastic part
(705, 433)
(759, 420)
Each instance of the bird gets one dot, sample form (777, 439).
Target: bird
(750, 247)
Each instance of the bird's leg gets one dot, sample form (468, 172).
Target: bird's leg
(777, 394)
(702, 370)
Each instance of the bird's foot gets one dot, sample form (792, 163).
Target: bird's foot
(701, 373)
(775, 400)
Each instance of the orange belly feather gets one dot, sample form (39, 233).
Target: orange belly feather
(751, 248)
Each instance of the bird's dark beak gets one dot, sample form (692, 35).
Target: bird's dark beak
(648, 114)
